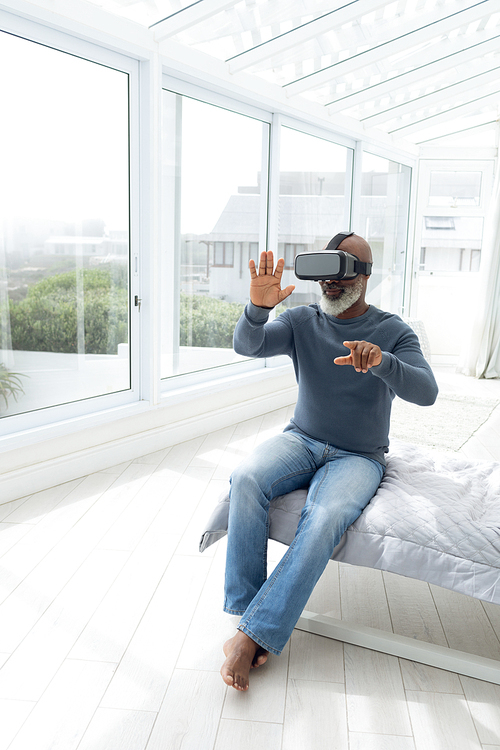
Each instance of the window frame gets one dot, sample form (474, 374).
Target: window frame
(65, 43)
(424, 209)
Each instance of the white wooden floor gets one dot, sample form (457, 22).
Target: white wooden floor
(111, 625)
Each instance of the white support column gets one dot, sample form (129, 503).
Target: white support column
(441, 657)
(274, 186)
(357, 176)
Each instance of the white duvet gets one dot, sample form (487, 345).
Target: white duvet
(434, 517)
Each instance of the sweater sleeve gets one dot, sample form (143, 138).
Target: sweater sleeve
(407, 372)
(254, 336)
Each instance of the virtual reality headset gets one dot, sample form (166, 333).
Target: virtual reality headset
(330, 263)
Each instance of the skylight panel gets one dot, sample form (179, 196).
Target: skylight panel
(355, 57)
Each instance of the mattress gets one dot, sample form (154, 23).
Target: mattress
(435, 517)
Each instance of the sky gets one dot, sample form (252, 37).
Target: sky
(230, 148)
(64, 143)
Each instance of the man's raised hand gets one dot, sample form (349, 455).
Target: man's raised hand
(363, 355)
(265, 284)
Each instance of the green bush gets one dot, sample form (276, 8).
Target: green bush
(46, 320)
(206, 321)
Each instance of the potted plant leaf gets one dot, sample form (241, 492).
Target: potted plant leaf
(10, 384)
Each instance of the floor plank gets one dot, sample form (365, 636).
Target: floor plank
(30, 669)
(247, 735)
(210, 627)
(455, 610)
(363, 597)
(61, 716)
(190, 714)
(111, 627)
(375, 693)
(413, 610)
(315, 658)
(315, 716)
(442, 722)
(483, 700)
(146, 668)
(114, 729)
(365, 741)
(13, 714)
(429, 679)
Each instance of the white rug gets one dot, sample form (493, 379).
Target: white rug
(446, 425)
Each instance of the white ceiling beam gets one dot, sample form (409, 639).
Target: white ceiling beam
(433, 151)
(449, 131)
(391, 85)
(441, 46)
(478, 83)
(192, 14)
(408, 36)
(453, 113)
(350, 11)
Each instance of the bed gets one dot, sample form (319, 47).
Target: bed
(435, 517)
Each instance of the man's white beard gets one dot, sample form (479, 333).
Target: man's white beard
(349, 295)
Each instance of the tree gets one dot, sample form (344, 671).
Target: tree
(206, 321)
(47, 319)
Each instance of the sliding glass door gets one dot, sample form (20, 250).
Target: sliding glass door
(64, 228)
(214, 214)
(383, 221)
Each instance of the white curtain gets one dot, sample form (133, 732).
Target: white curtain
(6, 357)
(481, 355)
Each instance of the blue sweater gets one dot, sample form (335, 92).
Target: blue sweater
(336, 404)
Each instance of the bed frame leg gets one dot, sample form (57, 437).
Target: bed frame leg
(398, 645)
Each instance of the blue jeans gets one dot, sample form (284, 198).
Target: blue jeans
(340, 483)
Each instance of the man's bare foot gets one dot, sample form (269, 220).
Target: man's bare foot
(241, 655)
(260, 657)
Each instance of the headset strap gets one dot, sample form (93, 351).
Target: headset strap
(335, 241)
(359, 266)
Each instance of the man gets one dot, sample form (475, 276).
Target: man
(334, 445)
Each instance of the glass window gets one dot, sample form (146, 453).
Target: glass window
(451, 243)
(383, 222)
(455, 188)
(314, 201)
(214, 221)
(291, 250)
(452, 203)
(224, 254)
(64, 232)
(439, 222)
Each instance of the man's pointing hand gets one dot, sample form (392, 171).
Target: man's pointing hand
(363, 355)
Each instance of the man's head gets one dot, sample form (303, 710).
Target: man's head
(345, 298)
